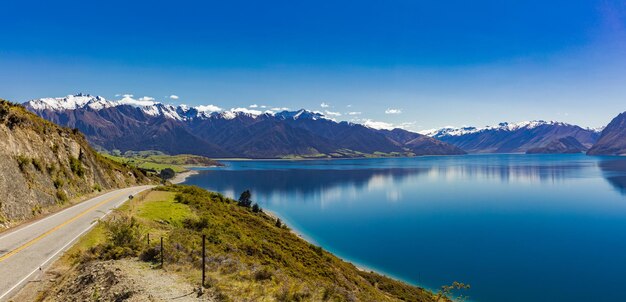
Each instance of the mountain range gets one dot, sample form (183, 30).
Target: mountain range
(240, 132)
(513, 137)
(134, 125)
(612, 141)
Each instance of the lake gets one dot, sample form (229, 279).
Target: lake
(516, 227)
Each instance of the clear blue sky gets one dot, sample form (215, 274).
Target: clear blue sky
(438, 62)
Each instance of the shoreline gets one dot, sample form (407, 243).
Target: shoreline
(358, 266)
(182, 177)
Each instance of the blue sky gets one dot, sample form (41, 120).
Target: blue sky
(421, 64)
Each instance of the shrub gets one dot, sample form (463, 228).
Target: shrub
(61, 196)
(22, 162)
(256, 208)
(15, 121)
(77, 166)
(58, 183)
(124, 238)
(150, 254)
(37, 164)
(263, 274)
(4, 112)
(55, 149)
(279, 223)
(97, 187)
(196, 224)
(51, 169)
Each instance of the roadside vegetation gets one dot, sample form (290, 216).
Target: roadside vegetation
(157, 161)
(251, 256)
(46, 167)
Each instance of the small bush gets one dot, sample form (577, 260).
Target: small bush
(97, 187)
(58, 183)
(15, 121)
(61, 196)
(37, 164)
(55, 149)
(150, 254)
(23, 162)
(51, 169)
(196, 224)
(263, 274)
(256, 208)
(124, 238)
(77, 166)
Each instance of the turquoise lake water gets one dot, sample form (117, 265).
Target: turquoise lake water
(515, 227)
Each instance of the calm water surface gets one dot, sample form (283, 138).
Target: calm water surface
(516, 227)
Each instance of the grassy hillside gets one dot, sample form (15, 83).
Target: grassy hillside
(45, 166)
(250, 257)
(156, 160)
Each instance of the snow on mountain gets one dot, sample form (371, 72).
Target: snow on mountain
(300, 114)
(454, 131)
(71, 102)
(153, 108)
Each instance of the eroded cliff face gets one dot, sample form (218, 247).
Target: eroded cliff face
(43, 166)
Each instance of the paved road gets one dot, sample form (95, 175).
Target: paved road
(23, 251)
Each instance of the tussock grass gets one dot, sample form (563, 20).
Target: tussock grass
(249, 258)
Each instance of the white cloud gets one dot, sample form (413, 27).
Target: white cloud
(393, 111)
(349, 106)
(246, 110)
(254, 106)
(332, 113)
(173, 97)
(354, 113)
(279, 109)
(324, 105)
(146, 99)
(209, 108)
(263, 106)
(127, 99)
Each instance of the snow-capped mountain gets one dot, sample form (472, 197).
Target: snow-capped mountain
(149, 107)
(512, 137)
(143, 124)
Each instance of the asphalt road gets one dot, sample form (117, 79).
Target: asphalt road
(28, 249)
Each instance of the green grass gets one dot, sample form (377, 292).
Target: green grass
(160, 206)
(154, 160)
(250, 258)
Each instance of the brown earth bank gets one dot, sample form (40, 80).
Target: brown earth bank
(45, 166)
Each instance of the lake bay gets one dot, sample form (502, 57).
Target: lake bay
(516, 227)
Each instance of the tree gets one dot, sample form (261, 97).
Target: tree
(167, 173)
(256, 208)
(245, 199)
(279, 223)
(447, 292)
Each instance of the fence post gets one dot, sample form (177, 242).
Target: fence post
(161, 252)
(203, 261)
(148, 239)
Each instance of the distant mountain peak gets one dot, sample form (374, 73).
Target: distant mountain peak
(503, 126)
(300, 114)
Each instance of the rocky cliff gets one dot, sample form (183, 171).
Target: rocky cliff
(45, 166)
